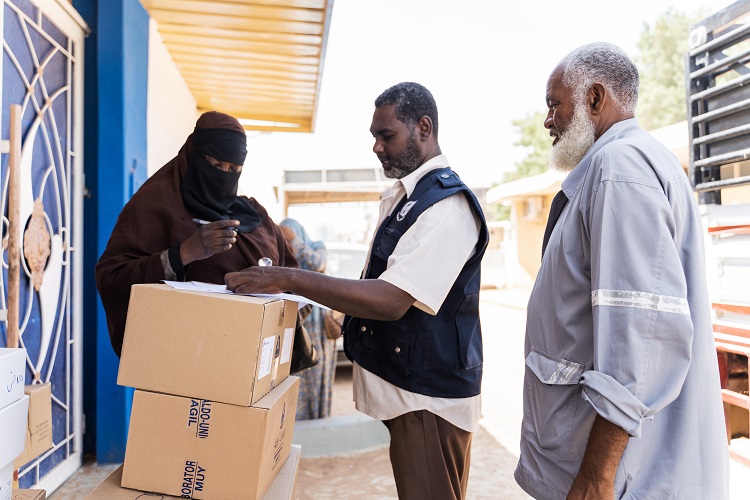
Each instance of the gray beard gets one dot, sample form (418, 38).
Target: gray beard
(575, 142)
(407, 162)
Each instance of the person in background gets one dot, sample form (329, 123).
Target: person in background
(413, 330)
(621, 390)
(186, 223)
(316, 384)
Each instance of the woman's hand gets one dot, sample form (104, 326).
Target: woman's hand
(209, 239)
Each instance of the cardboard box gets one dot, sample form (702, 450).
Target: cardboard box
(282, 488)
(29, 494)
(222, 347)
(12, 374)
(39, 428)
(13, 431)
(202, 449)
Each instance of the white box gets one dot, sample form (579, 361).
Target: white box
(13, 419)
(6, 482)
(12, 374)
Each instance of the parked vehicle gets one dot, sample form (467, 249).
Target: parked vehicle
(717, 74)
(345, 260)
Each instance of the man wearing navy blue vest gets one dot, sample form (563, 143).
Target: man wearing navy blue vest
(412, 330)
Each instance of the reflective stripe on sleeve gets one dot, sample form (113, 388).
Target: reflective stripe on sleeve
(640, 300)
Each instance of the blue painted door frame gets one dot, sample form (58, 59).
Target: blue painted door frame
(115, 142)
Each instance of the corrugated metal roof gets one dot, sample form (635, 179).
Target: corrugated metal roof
(258, 60)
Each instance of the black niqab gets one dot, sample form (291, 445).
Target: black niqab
(211, 193)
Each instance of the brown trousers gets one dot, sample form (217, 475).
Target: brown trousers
(430, 457)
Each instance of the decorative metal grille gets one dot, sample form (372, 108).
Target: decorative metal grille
(40, 72)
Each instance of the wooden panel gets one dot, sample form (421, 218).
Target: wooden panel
(238, 23)
(306, 89)
(735, 398)
(310, 52)
(280, 113)
(739, 450)
(307, 4)
(742, 229)
(733, 308)
(240, 88)
(248, 34)
(297, 197)
(250, 100)
(737, 331)
(733, 347)
(245, 10)
(257, 60)
(203, 53)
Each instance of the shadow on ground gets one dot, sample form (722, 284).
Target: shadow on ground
(368, 475)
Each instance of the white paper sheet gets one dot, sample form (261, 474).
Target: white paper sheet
(266, 356)
(299, 299)
(198, 286)
(286, 347)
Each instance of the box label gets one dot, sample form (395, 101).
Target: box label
(193, 479)
(199, 417)
(266, 357)
(286, 348)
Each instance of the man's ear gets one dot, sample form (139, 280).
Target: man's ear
(596, 98)
(425, 127)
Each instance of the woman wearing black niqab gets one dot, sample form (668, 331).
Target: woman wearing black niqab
(155, 237)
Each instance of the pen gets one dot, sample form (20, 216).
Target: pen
(204, 222)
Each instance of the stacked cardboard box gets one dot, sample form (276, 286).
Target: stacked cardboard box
(282, 488)
(213, 413)
(14, 407)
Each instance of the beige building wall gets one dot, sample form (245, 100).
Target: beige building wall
(735, 195)
(172, 110)
(530, 234)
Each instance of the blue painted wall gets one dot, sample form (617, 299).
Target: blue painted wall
(115, 145)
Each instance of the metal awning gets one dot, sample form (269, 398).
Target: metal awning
(347, 185)
(258, 60)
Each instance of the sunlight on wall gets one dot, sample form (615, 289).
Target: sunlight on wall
(171, 108)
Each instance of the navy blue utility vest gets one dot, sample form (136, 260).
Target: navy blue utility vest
(439, 356)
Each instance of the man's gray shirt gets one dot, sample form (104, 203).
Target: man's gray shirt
(619, 325)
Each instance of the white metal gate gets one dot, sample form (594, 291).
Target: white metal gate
(42, 70)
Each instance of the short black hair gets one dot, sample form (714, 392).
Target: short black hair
(412, 101)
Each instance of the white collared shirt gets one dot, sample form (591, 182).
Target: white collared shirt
(425, 263)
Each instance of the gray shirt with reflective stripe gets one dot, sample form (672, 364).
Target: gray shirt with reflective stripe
(619, 324)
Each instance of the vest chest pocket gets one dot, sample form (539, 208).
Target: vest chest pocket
(387, 243)
(552, 390)
(390, 346)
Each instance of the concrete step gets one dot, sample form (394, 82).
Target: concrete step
(342, 435)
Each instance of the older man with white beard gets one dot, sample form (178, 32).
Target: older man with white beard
(621, 391)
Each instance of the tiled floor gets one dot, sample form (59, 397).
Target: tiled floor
(83, 482)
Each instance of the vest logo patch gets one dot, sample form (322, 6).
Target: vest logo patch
(400, 216)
